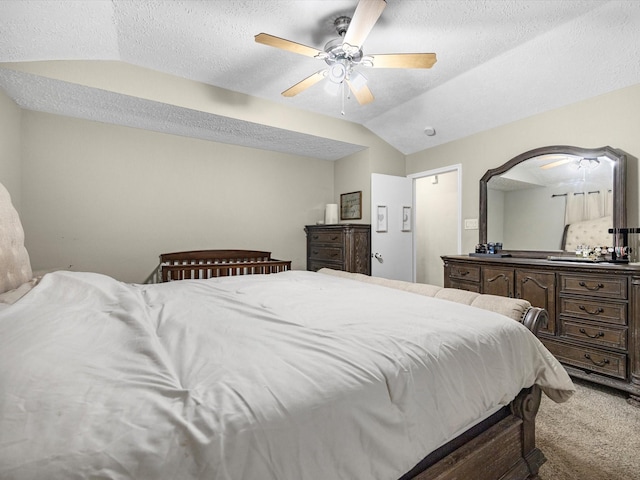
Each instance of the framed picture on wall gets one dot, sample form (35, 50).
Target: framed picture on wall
(381, 218)
(406, 219)
(351, 206)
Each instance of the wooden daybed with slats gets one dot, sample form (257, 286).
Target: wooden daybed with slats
(201, 264)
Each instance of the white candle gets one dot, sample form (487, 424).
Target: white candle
(331, 213)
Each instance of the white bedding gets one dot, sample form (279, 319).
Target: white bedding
(289, 376)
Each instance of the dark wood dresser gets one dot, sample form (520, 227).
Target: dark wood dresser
(341, 247)
(594, 310)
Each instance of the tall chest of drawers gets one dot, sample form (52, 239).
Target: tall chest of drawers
(593, 310)
(344, 247)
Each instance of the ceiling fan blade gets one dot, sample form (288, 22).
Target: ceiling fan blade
(403, 60)
(364, 18)
(304, 84)
(294, 47)
(363, 95)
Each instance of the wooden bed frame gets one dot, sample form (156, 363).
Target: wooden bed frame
(502, 447)
(201, 264)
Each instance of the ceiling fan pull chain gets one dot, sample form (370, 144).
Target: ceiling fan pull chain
(342, 97)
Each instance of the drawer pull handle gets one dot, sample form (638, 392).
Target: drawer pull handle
(597, 311)
(594, 289)
(463, 273)
(599, 334)
(599, 364)
(315, 237)
(335, 238)
(315, 252)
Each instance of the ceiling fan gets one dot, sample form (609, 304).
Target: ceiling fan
(344, 54)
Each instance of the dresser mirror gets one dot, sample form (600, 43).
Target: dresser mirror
(525, 204)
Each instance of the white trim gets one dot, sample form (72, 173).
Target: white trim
(429, 173)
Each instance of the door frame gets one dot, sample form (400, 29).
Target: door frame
(429, 173)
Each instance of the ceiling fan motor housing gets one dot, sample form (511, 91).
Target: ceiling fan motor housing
(337, 52)
(342, 24)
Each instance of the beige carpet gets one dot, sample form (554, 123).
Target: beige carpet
(593, 436)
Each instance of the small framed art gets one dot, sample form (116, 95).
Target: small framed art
(406, 219)
(351, 206)
(381, 219)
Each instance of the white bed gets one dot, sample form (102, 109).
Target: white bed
(283, 376)
(289, 376)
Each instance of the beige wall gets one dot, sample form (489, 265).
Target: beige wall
(353, 173)
(10, 166)
(612, 119)
(110, 199)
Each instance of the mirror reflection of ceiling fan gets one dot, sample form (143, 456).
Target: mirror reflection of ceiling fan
(344, 54)
(558, 160)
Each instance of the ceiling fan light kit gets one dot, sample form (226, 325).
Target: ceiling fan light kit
(344, 53)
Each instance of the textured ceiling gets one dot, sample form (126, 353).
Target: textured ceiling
(498, 61)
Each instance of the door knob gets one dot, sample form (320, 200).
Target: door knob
(377, 256)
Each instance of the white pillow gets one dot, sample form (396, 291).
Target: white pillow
(15, 267)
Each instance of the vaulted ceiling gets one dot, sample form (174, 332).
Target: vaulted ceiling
(497, 61)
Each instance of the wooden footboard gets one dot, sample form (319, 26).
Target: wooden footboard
(500, 448)
(202, 264)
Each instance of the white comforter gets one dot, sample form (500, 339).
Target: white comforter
(290, 376)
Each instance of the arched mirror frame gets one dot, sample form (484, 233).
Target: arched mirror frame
(618, 158)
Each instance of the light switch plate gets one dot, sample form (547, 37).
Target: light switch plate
(470, 223)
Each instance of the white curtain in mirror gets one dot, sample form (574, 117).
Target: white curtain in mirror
(588, 206)
(594, 205)
(608, 203)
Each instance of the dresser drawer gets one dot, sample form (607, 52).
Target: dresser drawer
(602, 335)
(345, 247)
(614, 364)
(325, 253)
(594, 286)
(326, 238)
(465, 272)
(594, 311)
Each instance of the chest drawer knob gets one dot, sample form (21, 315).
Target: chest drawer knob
(463, 273)
(599, 364)
(595, 311)
(597, 335)
(593, 289)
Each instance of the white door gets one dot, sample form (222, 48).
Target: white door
(391, 236)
